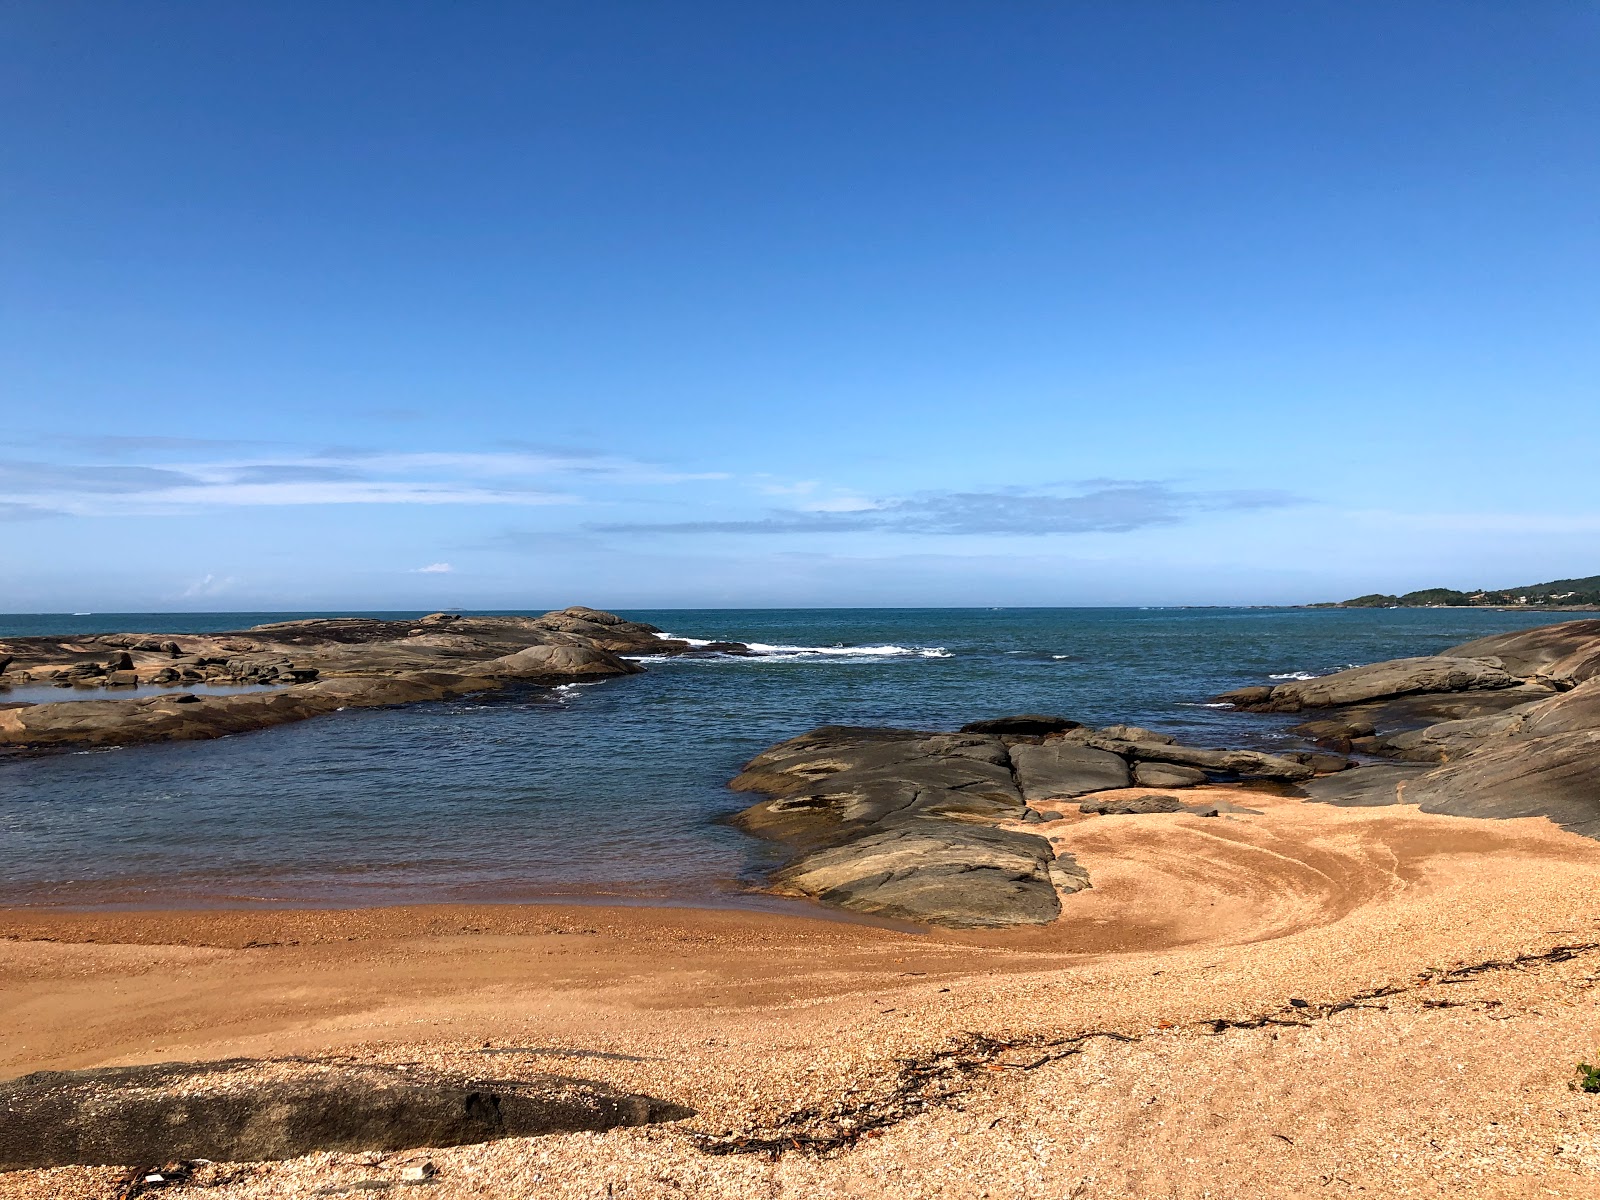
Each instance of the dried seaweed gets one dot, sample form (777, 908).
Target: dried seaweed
(941, 1078)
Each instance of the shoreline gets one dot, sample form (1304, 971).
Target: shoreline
(753, 1020)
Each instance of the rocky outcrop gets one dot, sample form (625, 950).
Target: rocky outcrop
(1379, 681)
(1059, 769)
(1568, 652)
(313, 666)
(923, 826)
(1246, 763)
(1163, 775)
(243, 1110)
(939, 872)
(559, 662)
(1533, 753)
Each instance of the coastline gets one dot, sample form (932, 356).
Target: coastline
(751, 1018)
(1238, 978)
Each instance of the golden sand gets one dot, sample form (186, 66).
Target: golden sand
(1392, 1061)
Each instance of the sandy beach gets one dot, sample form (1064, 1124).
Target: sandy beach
(1310, 1001)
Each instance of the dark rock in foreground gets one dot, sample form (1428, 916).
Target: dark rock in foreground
(245, 1110)
(941, 872)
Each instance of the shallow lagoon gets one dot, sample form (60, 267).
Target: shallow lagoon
(617, 788)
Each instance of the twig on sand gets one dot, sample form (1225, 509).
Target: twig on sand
(939, 1079)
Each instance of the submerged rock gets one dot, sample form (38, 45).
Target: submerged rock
(1026, 725)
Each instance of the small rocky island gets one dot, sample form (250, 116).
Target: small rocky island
(300, 669)
(950, 828)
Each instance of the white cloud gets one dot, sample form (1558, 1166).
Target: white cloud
(843, 504)
(210, 585)
(434, 569)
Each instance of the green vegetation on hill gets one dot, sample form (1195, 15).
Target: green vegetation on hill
(1558, 591)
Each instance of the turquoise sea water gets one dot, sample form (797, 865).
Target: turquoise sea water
(617, 788)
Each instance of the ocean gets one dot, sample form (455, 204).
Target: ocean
(617, 789)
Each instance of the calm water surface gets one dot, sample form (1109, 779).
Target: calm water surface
(617, 788)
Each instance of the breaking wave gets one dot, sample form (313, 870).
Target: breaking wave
(769, 651)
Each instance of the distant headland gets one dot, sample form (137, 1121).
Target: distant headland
(1557, 594)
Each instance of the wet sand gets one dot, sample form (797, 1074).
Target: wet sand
(1451, 1082)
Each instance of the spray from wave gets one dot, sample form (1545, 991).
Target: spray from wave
(836, 653)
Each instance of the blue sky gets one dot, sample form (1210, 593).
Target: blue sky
(637, 304)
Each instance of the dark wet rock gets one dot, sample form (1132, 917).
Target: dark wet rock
(1167, 775)
(1028, 724)
(848, 803)
(1250, 763)
(1247, 697)
(1379, 681)
(949, 873)
(906, 823)
(826, 750)
(1327, 764)
(1334, 730)
(737, 649)
(1132, 806)
(243, 1110)
(1059, 769)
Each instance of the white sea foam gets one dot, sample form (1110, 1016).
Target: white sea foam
(764, 651)
(1295, 675)
(568, 691)
(884, 651)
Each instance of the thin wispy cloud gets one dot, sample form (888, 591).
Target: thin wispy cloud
(1121, 508)
(10, 511)
(342, 476)
(438, 568)
(133, 445)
